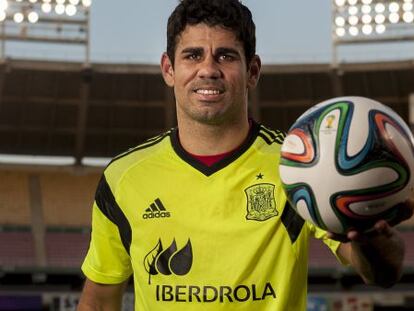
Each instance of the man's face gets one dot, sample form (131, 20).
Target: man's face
(210, 75)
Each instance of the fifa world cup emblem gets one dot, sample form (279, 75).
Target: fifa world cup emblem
(329, 121)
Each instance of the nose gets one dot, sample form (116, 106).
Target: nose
(209, 68)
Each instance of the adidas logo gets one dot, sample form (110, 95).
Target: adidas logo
(156, 210)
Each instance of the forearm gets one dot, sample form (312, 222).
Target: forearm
(101, 297)
(98, 306)
(379, 260)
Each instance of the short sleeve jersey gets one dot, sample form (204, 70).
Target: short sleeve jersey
(201, 238)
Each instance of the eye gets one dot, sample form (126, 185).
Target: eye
(226, 58)
(192, 56)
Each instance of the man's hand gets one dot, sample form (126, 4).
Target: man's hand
(378, 254)
(405, 211)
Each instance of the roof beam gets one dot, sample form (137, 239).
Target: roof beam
(85, 89)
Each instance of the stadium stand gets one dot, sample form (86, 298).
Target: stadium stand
(66, 249)
(67, 198)
(18, 249)
(14, 199)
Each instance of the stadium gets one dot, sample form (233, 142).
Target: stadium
(71, 118)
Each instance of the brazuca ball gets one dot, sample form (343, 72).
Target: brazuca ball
(346, 163)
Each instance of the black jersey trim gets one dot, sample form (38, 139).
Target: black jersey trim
(274, 136)
(148, 143)
(265, 138)
(209, 170)
(107, 204)
(292, 222)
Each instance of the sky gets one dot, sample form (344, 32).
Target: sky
(133, 31)
(280, 28)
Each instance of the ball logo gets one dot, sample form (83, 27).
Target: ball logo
(261, 204)
(329, 121)
(170, 260)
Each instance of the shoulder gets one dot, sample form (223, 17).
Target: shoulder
(270, 136)
(120, 164)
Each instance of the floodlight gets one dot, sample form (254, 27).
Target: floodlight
(379, 19)
(366, 19)
(379, 8)
(367, 29)
(33, 17)
(353, 31)
(394, 18)
(46, 7)
(353, 10)
(59, 9)
(70, 10)
(353, 20)
(3, 5)
(393, 7)
(87, 3)
(371, 21)
(18, 17)
(380, 28)
(63, 22)
(408, 17)
(340, 32)
(366, 9)
(407, 6)
(340, 21)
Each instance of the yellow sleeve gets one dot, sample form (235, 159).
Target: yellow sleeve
(333, 245)
(108, 260)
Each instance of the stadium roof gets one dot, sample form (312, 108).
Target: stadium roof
(66, 109)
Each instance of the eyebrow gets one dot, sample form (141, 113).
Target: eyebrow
(195, 50)
(199, 50)
(227, 51)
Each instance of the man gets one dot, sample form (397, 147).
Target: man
(197, 215)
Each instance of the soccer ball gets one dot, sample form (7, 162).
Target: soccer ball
(346, 162)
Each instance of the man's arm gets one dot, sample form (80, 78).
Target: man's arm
(378, 260)
(101, 297)
(377, 256)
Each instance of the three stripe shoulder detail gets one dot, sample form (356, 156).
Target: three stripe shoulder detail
(270, 136)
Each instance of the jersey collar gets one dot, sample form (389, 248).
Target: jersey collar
(209, 170)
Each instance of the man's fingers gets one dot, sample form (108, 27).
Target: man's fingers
(382, 227)
(404, 211)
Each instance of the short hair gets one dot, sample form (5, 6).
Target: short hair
(229, 14)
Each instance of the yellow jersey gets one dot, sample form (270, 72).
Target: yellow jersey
(198, 237)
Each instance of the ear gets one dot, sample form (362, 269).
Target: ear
(254, 72)
(167, 70)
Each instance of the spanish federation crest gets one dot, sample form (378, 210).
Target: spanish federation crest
(261, 204)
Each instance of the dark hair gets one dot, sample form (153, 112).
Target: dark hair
(230, 14)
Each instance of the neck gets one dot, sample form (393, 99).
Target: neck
(203, 139)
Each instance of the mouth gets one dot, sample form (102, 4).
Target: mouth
(209, 91)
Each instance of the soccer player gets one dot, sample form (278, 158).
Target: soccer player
(197, 215)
